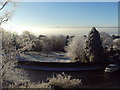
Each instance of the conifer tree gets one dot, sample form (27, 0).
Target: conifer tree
(94, 48)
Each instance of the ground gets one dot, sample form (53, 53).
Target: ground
(90, 79)
(41, 57)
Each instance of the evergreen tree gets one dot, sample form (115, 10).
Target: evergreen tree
(94, 48)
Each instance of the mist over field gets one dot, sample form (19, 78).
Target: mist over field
(62, 30)
(75, 31)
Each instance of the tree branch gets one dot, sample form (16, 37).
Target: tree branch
(4, 5)
(6, 14)
(4, 20)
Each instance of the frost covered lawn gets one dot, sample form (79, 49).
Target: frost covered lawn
(41, 57)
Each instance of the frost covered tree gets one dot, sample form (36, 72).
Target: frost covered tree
(75, 49)
(53, 43)
(94, 48)
(10, 75)
(37, 45)
(26, 41)
(107, 40)
(47, 45)
(7, 8)
(116, 43)
(59, 42)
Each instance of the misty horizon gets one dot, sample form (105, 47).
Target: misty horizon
(51, 18)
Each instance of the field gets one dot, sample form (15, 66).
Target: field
(41, 57)
(103, 80)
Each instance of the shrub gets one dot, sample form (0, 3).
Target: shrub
(75, 49)
(60, 81)
(63, 81)
(107, 40)
(116, 43)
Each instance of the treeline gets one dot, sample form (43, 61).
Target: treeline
(94, 47)
(28, 42)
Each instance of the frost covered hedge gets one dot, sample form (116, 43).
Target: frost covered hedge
(57, 82)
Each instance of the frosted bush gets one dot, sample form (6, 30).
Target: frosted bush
(36, 85)
(107, 40)
(60, 81)
(64, 81)
(116, 43)
(76, 48)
